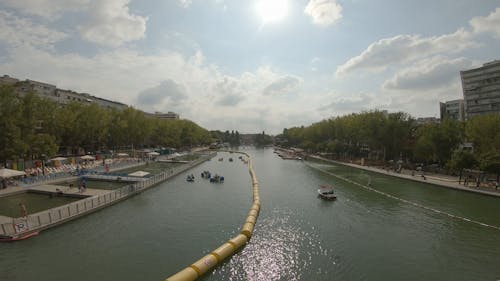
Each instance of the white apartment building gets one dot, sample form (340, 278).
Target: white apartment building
(55, 94)
(453, 109)
(481, 88)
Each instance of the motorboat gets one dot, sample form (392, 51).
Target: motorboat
(326, 192)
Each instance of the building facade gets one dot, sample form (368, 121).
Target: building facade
(168, 115)
(7, 80)
(481, 88)
(452, 109)
(427, 120)
(57, 95)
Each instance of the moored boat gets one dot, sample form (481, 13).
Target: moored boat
(19, 237)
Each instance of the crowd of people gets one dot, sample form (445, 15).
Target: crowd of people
(48, 173)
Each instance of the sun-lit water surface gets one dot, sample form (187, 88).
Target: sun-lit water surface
(361, 236)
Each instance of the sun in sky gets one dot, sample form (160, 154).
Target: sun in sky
(272, 11)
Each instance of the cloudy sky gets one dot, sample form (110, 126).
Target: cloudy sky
(252, 65)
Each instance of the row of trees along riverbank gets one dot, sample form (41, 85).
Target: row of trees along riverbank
(31, 127)
(380, 137)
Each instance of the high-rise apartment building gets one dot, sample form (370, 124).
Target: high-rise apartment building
(60, 96)
(481, 88)
(453, 109)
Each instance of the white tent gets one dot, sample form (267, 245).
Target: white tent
(139, 174)
(59, 159)
(87, 157)
(9, 173)
(153, 153)
(122, 154)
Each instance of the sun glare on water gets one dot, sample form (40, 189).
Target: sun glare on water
(272, 10)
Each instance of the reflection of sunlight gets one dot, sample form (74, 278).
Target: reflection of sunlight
(283, 248)
(272, 10)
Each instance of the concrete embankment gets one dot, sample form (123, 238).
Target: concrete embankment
(418, 178)
(217, 256)
(20, 228)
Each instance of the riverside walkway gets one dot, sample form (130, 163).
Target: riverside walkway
(12, 229)
(448, 182)
(60, 177)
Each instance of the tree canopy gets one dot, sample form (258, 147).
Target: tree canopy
(385, 136)
(33, 127)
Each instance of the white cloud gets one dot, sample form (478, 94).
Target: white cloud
(229, 91)
(111, 24)
(168, 90)
(418, 89)
(314, 64)
(429, 74)
(49, 9)
(324, 12)
(283, 85)
(336, 104)
(490, 23)
(186, 85)
(17, 32)
(184, 3)
(404, 49)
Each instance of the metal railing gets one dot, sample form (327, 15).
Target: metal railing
(48, 218)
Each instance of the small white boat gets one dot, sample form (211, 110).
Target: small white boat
(326, 192)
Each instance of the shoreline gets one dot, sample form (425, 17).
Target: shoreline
(437, 181)
(19, 228)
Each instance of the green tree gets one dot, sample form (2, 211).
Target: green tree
(436, 142)
(11, 142)
(484, 132)
(461, 160)
(490, 162)
(263, 139)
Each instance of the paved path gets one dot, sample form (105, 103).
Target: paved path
(67, 190)
(20, 189)
(440, 180)
(4, 219)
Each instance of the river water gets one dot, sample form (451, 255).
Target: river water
(361, 236)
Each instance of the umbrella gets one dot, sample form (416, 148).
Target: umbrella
(59, 159)
(87, 157)
(139, 174)
(9, 173)
(153, 153)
